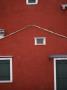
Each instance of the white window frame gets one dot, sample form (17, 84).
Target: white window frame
(55, 59)
(44, 40)
(28, 3)
(11, 76)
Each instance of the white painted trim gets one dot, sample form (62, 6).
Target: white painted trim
(54, 74)
(11, 71)
(44, 40)
(28, 3)
(55, 59)
(6, 56)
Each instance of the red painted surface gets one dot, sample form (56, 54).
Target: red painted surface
(32, 69)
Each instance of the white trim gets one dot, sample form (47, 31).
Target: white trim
(44, 40)
(54, 74)
(36, 26)
(6, 56)
(55, 59)
(1, 36)
(11, 76)
(28, 3)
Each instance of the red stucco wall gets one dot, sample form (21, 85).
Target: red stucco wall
(32, 69)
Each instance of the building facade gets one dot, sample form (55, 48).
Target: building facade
(33, 49)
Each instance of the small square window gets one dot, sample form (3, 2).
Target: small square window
(31, 2)
(5, 70)
(40, 40)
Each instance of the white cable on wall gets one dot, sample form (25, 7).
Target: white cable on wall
(41, 28)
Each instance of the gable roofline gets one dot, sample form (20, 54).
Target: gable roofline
(41, 28)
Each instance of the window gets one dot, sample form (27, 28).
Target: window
(60, 74)
(5, 69)
(40, 40)
(31, 2)
(2, 33)
(60, 71)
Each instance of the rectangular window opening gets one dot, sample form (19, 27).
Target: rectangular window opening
(40, 40)
(5, 70)
(31, 2)
(60, 74)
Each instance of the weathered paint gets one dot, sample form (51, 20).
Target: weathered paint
(32, 68)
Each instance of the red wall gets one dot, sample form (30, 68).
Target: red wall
(32, 69)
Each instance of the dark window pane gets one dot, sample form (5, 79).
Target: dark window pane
(4, 70)
(61, 73)
(39, 41)
(31, 1)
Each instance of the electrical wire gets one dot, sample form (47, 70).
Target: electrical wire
(41, 28)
